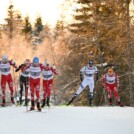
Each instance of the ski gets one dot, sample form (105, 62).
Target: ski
(36, 110)
(29, 110)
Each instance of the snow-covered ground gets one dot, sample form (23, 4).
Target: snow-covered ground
(67, 120)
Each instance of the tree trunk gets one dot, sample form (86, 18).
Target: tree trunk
(129, 54)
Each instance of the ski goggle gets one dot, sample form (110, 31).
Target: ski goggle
(4, 60)
(35, 63)
(110, 71)
(90, 63)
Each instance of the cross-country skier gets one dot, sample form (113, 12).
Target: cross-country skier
(89, 71)
(110, 81)
(24, 80)
(35, 69)
(5, 67)
(48, 73)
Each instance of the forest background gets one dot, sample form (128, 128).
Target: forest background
(101, 30)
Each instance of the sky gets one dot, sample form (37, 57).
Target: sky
(48, 9)
(67, 120)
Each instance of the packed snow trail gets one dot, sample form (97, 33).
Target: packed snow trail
(67, 120)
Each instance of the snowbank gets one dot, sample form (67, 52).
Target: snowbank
(67, 120)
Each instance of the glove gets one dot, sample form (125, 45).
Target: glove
(81, 77)
(97, 77)
(103, 84)
(54, 67)
(12, 62)
(17, 69)
(118, 85)
(80, 83)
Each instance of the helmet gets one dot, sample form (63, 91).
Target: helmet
(27, 61)
(35, 60)
(110, 71)
(4, 57)
(90, 63)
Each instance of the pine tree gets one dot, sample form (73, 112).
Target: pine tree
(27, 28)
(103, 24)
(37, 32)
(38, 26)
(13, 22)
(10, 25)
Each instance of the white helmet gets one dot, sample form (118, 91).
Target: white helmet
(4, 57)
(27, 61)
(54, 67)
(46, 62)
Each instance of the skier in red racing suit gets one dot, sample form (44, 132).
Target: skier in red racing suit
(35, 69)
(6, 77)
(110, 81)
(47, 73)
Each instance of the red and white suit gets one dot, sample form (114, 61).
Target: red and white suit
(5, 68)
(111, 82)
(34, 80)
(48, 73)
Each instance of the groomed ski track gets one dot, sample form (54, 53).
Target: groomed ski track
(67, 120)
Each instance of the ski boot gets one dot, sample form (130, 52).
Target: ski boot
(38, 106)
(90, 101)
(120, 104)
(110, 102)
(74, 97)
(12, 100)
(44, 103)
(32, 106)
(20, 102)
(48, 99)
(90, 98)
(3, 103)
(26, 102)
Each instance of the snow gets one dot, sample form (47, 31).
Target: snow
(67, 120)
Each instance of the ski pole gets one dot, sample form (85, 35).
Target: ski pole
(53, 56)
(26, 93)
(54, 91)
(101, 97)
(15, 86)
